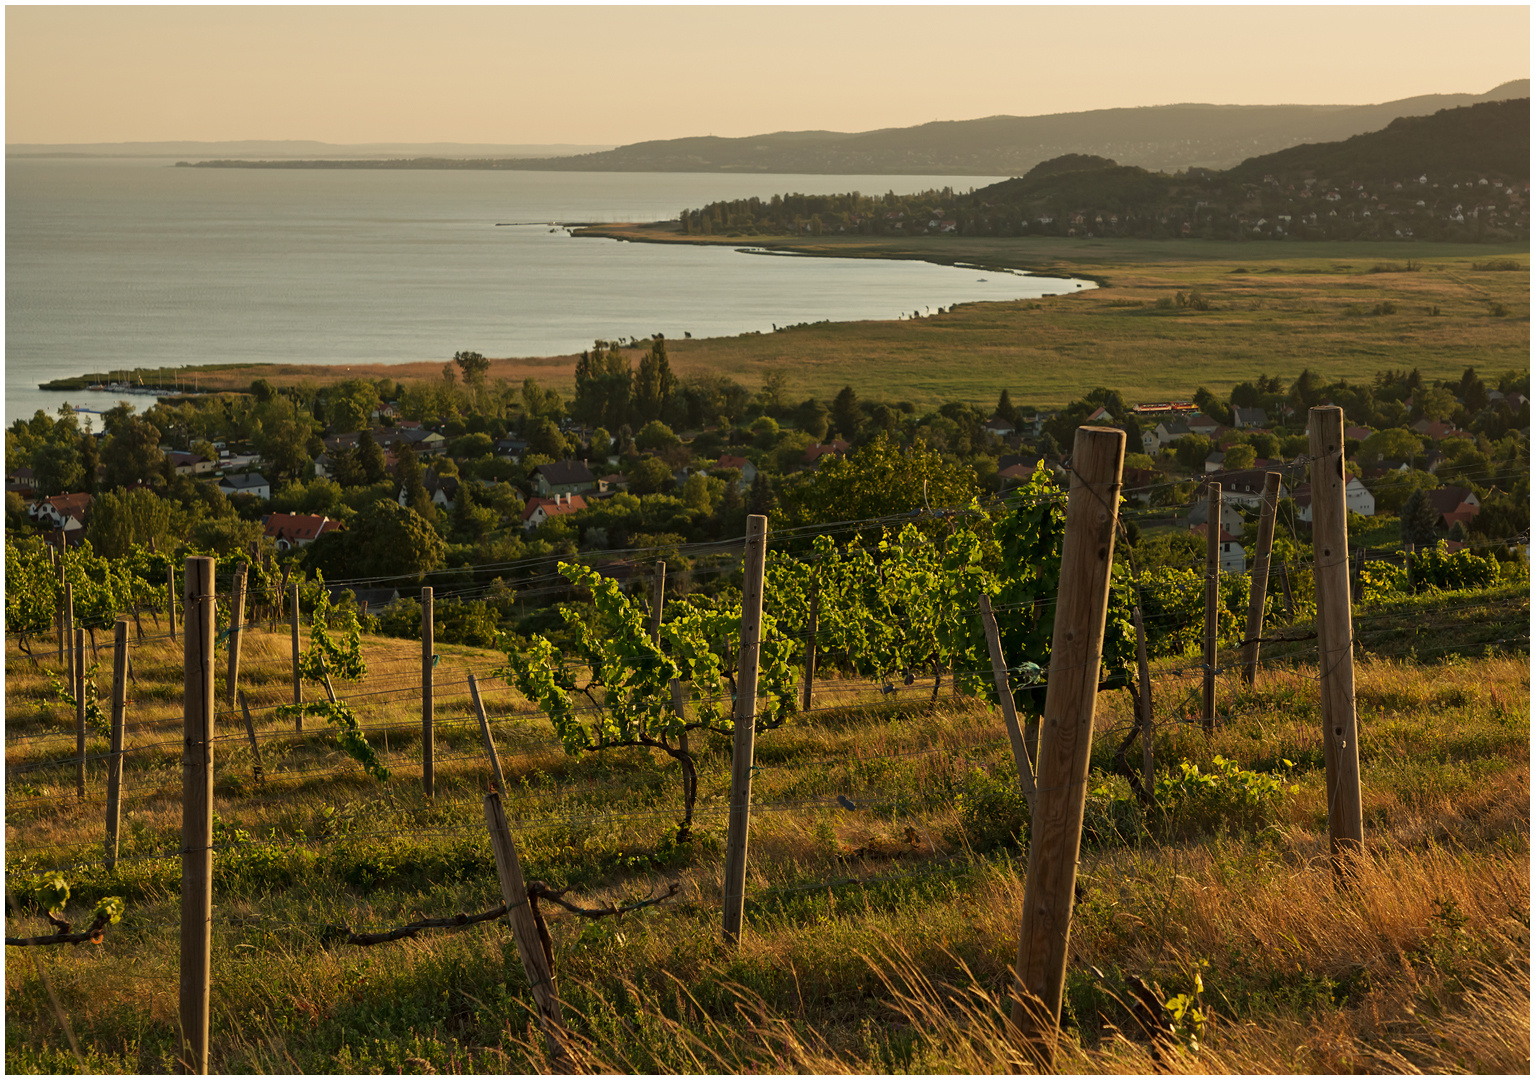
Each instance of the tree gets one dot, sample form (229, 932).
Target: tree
(654, 436)
(1420, 521)
(385, 540)
(1392, 444)
(351, 405)
(762, 499)
(283, 441)
(1473, 394)
(120, 519)
(345, 467)
(879, 479)
(846, 413)
(1240, 456)
(370, 458)
(474, 366)
(650, 476)
(1005, 408)
(775, 388)
(545, 438)
(654, 385)
(1191, 451)
(56, 466)
(604, 386)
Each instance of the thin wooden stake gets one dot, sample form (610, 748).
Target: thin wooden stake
(64, 638)
(197, 815)
(428, 701)
(138, 623)
(1148, 764)
(1212, 600)
(298, 687)
(1334, 623)
(1408, 549)
(69, 629)
(79, 688)
(236, 632)
(1257, 597)
(170, 597)
(258, 773)
(1066, 736)
(658, 601)
(530, 948)
(490, 742)
(744, 748)
(811, 633)
(115, 760)
(1022, 753)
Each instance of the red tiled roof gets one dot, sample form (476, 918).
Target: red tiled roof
(298, 526)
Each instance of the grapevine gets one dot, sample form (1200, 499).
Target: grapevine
(349, 737)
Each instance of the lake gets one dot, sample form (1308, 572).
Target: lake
(114, 264)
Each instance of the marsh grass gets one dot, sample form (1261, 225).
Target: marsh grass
(880, 938)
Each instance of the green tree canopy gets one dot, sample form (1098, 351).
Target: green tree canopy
(879, 479)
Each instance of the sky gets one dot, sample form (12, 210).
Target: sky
(613, 75)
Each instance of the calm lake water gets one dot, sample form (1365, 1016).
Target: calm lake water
(123, 264)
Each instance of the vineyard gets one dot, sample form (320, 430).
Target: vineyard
(360, 903)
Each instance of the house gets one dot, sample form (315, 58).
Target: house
(187, 464)
(511, 448)
(564, 478)
(539, 509)
(1249, 418)
(1139, 483)
(289, 531)
(612, 482)
(815, 452)
(1215, 462)
(1358, 432)
(747, 470)
(1232, 557)
(422, 441)
(20, 479)
(1244, 487)
(1200, 424)
(1437, 429)
(442, 490)
(1356, 497)
(251, 483)
(67, 513)
(1170, 431)
(1098, 415)
(999, 427)
(1454, 504)
(1199, 514)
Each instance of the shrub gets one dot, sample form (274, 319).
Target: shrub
(1226, 797)
(1439, 568)
(992, 811)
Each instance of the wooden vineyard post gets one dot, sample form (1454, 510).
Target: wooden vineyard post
(68, 652)
(744, 748)
(530, 947)
(197, 814)
(810, 639)
(79, 692)
(1334, 624)
(1212, 600)
(115, 759)
(282, 594)
(1023, 754)
(64, 639)
(236, 618)
(1408, 549)
(298, 688)
(1148, 763)
(1258, 593)
(658, 601)
(1289, 597)
(1066, 735)
(138, 623)
(428, 706)
(170, 597)
(490, 742)
(258, 773)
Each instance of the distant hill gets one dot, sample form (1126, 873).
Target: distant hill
(1160, 137)
(1460, 174)
(291, 148)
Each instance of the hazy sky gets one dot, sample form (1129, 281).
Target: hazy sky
(623, 74)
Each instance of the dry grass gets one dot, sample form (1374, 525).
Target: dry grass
(879, 939)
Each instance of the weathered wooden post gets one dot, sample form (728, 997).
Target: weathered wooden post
(79, 690)
(1334, 624)
(1258, 593)
(115, 760)
(810, 639)
(658, 600)
(258, 773)
(1148, 764)
(197, 814)
(170, 597)
(1023, 754)
(236, 631)
(69, 631)
(1212, 599)
(744, 748)
(1066, 735)
(428, 703)
(298, 684)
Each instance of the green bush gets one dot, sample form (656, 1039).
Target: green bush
(1439, 568)
(992, 811)
(1228, 797)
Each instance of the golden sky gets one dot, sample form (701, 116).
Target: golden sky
(624, 74)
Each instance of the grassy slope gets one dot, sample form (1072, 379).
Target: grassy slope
(1296, 305)
(1424, 959)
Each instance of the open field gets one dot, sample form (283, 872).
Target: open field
(1274, 308)
(878, 938)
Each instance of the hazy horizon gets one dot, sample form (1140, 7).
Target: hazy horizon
(589, 76)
